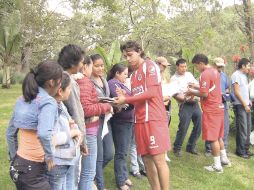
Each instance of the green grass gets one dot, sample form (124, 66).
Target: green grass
(186, 172)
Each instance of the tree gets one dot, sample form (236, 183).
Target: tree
(10, 22)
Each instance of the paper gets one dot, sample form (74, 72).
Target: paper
(170, 89)
(105, 125)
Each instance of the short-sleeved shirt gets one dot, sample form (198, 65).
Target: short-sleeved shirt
(145, 77)
(242, 80)
(210, 83)
(184, 80)
(223, 82)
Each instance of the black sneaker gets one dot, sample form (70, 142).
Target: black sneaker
(245, 156)
(194, 151)
(136, 175)
(177, 153)
(142, 172)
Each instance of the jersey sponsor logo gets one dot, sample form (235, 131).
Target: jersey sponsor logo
(138, 90)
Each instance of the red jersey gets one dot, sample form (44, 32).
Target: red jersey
(210, 83)
(147, 93)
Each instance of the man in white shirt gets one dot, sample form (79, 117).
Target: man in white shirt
(188, 110)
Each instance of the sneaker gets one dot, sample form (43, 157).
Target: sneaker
(142, 172)
(213, 168)
(136, 175)
(177, 153)
(225, 162)
(194, 151)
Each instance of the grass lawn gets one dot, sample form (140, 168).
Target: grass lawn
(186, 172)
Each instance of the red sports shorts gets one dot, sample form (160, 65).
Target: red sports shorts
(152, 137)
(213, 126)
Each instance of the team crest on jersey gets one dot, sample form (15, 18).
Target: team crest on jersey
(151, 70)
(204, 84)
(139, 77)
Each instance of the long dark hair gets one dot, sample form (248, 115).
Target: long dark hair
(119, 67)
(95, 57)
(37, 77)
(132, 46)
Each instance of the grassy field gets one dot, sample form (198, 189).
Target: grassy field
(186, 172)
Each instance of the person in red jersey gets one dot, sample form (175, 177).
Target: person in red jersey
(151, 123)
(209, 92)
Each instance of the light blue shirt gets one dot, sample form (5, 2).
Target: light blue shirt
(242, 80)
(40, 114)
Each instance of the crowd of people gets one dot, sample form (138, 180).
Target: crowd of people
(72, 120)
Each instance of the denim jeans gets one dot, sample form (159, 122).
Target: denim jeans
(243, 129)
(121, 132)
(61, 177)
(136, 162)
(88, 164)
(188, 112)
(104, 155)
(226, 131)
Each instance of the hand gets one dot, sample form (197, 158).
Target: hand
(50, 164)
(120, 92)
(84, 150)
(166, 98)
(120, 100)
(76, 133)
(71, 123)
(189, 92)
(247, 108)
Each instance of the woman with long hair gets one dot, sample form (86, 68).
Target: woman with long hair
(34, 117)
(122, 125)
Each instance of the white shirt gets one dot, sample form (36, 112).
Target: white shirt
(184, 80)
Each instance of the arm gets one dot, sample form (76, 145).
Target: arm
(46, 122)
(239, 97)
(88, 99)
(12, 139)
(147, 95)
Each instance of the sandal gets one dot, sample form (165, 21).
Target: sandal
(128, 182)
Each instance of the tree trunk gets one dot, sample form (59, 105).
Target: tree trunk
(25, 57)
(6, 81)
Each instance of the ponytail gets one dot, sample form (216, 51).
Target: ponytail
(37, 77)
(30, 87)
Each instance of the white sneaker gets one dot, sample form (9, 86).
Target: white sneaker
(226, 162)
(213, 168)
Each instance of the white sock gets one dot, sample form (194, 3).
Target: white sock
(217, 162)
(223, 154)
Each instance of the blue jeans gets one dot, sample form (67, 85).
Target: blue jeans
(188, 112)
(61, 177)
(121, 132)
(243, 129)
(104, 155)
(88, 164)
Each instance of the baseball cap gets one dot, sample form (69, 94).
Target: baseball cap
(219, 62)
(163, 61)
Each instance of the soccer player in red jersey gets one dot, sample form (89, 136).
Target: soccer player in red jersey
(213, 114)
(151, 123)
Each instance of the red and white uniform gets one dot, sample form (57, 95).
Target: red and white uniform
(212, 106)
(151, 125)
